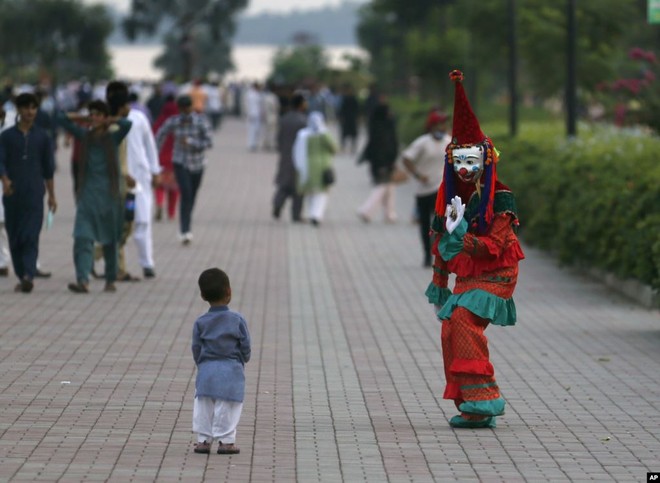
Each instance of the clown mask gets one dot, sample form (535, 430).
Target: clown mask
(468, 163)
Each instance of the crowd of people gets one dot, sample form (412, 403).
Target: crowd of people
(157, 136)
(122, 150)
(127, 156)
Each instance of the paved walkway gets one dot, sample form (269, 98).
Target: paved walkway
(345, 382)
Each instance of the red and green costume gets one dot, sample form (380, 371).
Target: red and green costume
(483, 252)
(486, 268)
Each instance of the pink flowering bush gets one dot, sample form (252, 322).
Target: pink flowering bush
(635, 99)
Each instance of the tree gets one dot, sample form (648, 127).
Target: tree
(59, 38)
(297, 64)
(428, 38)
(200, 34)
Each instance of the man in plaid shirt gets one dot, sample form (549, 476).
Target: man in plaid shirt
(191, 138)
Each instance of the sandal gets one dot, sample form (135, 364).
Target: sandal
(228, 449)
(127, 277)
(78, 288)
(202, 448)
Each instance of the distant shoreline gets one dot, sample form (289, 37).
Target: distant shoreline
(253, 61)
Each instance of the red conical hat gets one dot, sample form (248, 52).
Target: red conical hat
(466, 129)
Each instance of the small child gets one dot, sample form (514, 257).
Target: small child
(221, 347)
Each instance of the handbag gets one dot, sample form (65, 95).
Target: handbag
(328, 177)
(398, 176)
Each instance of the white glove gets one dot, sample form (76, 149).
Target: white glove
(454, 214)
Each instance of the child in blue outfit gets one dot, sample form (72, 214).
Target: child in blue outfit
(220, 347)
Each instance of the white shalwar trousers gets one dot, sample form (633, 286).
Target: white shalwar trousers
(316, 204)
(383, 195)
(144, 243)
(4, 246)
(254, 133)
(216, 419)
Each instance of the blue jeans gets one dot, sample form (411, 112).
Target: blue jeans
(188, 182)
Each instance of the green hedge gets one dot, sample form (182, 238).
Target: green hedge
(593, 200)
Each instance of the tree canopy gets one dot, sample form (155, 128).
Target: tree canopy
(57, 38)
(425, 39)
(199, 39)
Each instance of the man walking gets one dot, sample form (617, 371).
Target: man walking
(292, 122)
(144, 168)
(27, 166)
(191, 138)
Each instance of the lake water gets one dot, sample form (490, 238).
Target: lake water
(253, 62)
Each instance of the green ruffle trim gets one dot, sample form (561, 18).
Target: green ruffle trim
(497, 310)
(437, 295)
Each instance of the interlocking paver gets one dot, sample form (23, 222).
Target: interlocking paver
(346, 378)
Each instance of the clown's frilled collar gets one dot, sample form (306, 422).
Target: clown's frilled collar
(468, 139)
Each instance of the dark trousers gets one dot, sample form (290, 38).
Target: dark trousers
(189, 182)
(283, 192)
(425, 211)
(23, 224)
(83, 259)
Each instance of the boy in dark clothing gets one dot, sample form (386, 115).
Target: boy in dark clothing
(26, 170)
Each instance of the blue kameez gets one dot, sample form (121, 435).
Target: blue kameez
(27, 160)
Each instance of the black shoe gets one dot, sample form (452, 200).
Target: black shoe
(78, 288)
(26, 285)
(428, 262)
(4, 272)
(148, 272)
(40, 274)
(315, 222)
(159, 213)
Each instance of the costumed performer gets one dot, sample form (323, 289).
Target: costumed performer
(474, 238)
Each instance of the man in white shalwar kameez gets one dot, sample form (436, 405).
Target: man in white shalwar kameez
(144, 167)
(254, 115)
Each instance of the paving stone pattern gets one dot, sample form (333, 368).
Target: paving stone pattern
(345, 382)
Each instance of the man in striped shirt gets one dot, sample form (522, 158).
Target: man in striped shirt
(191, 138)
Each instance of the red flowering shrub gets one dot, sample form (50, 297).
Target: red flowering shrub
(635, 100)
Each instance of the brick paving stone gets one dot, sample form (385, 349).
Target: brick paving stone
(346, 378)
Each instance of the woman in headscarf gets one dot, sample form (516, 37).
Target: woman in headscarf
(313, 151)
(380, 152)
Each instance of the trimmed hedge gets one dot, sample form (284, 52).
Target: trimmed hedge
(594, 199)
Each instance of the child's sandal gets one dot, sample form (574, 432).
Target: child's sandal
(204, 447)
(228, 449)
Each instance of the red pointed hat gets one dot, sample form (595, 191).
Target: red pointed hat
(466, 129)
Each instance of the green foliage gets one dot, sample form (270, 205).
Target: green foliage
(294, 65)
(199, 39)
(426, 40)
(593, 200)
(60, 38)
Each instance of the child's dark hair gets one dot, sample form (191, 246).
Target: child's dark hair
(214, 285)
(99, 106)
(26, 99)
(116, 93)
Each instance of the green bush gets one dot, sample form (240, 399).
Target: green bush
(593, 200)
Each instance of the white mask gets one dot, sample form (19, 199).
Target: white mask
(468, 163)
